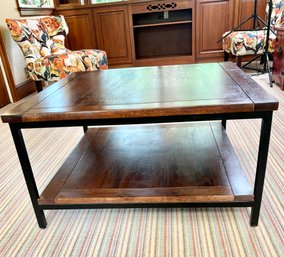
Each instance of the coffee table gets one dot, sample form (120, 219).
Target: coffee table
(151, 138)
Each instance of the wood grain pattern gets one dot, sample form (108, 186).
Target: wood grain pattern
(262, 101)
(155, 36)
(81, 30)
(64, 172)
(165, 60)
(225, 14)
(156, 195)
(209, 33)
(113, 36)
(124, 93)
(4, 97)
(244, 10)
(238, 181)
(167, 40)
(152, 163)
(32, 101)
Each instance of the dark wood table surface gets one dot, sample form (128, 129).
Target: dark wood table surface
(146, 92)
(169, 162)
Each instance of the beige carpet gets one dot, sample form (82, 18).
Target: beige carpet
(175, 232)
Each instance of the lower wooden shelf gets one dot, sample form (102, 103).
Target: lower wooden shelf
(172, 163)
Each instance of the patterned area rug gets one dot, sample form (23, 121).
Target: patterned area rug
(160, 232)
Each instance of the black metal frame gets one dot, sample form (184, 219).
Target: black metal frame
(266, 54)
(266, 117)
(256, 20)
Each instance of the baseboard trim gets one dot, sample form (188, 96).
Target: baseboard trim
(25, 88)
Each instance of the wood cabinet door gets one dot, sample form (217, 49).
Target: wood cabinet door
(113, 33)
(81, 29)
(244, 9)
(213, 18)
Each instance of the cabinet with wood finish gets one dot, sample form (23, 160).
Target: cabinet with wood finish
(64, 2)
(212, 20)
(143, 32)
(215, 17)
(81, 29)
(243, 10)
(163, 32)
(113, 33)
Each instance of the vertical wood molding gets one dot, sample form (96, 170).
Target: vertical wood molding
(7, 69)
(4, 96)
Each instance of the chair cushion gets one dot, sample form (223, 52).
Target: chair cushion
(56, 67)
(247, 42)
(253, 41)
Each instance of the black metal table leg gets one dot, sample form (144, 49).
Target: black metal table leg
(28, 173)
(224, 123)
(261, 166)
(85, 128)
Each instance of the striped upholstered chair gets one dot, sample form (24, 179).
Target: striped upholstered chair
(42, 43)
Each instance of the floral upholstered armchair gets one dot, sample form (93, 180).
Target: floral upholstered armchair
(252, 42)
(42, 43)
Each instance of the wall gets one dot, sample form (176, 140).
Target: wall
(8, 9)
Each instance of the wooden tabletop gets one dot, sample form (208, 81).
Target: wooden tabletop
(146, 92)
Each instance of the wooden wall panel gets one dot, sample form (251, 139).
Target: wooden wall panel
(113, 35)
(81, 29)
(212, 21)
(245, 10)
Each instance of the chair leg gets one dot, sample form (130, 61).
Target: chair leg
(226, 56)
(38, 85)
(239, 61)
